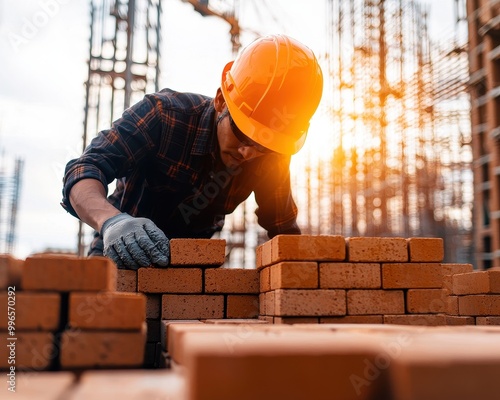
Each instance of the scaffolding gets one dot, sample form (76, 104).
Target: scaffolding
(123, 65)
(10, 190)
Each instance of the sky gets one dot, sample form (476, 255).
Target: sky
(43, 51)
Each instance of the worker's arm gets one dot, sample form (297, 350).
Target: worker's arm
(88, 199)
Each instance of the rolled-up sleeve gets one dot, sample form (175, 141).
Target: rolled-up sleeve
(117, 150)
(277, 211)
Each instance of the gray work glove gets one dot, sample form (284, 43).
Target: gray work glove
(134, 242)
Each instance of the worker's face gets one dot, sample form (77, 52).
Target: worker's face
(235, 149)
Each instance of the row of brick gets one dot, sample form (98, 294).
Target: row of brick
(355, 249)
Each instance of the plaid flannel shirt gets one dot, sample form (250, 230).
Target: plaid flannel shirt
(164, 153)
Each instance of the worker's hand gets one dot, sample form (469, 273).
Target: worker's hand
(134, 242)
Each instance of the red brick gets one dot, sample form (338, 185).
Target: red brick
(170, 280)
(452, 305)
(479, 304)
(455, 320)
(105, 349)
(307, 248)
(10, 271)
(192, 306)
(353, 319)
(426, 249)
(270, 300)
(67, 273)
(416, 319)
(294, 275)
(43, 385)
(33, 311)
(295, 320)
(377, 249)
(130, 385)
(452, 269)
(366, 302)
(454, 365)
(479, 282)
(166, 324)
(425, 301)
(33, 350)
(126, 280)
(309, 303)
(264, 258)
(242, 306)
(262, 304)
(296, 366)
(235, 321)
(197, 251)
(231, 280)
(107, 310)
(349, 276)
(266, 318)
(487, 320)
(265, 280)
(412, 276)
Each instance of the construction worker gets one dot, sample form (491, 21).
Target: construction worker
(183, 161)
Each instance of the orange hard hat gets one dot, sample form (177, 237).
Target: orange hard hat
(272, 90)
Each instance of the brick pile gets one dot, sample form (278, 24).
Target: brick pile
(330, 279)
(68, 315)
(193, 287)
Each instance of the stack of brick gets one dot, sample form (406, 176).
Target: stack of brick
(68, 315)
(477, 295)
(328, 279)
(192, 287)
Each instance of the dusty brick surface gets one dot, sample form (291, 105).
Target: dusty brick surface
(295, 320)
(376, 249)
(452, 305)
(263, 252)
(270, 302)
(130, 385)
(412, 276)
(153, 306)
(276, 358)
(170, 280)
(367, 302)
(479, 282)
(267, 318)
(42, 385)
(91, 349)
(33, 311)
(265, 280)
(192, 306)
(479, 304)
(307, 248)
(10, 271)
(416, 319)
(107, 310)
(309, 303)
(235, 321)
(456, 320)
(262, 304)
(231, 280)
(487, 320)
(242, 306)
(294, 275)
(349, 276)
(353, 319)
(197, 251)
(33, 350)
(166, 324)
(67, 273)
(426, 301)
(425, 249)
(453, 268)
(126, 280)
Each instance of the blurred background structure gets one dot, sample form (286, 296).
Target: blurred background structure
(405, 142)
